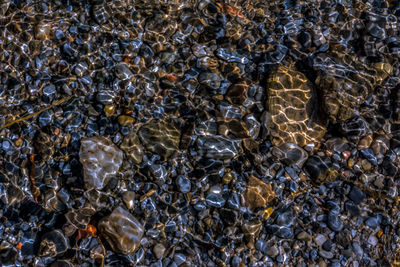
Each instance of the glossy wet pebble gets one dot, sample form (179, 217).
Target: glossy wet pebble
(101, 160)
(160, 137)
(122, 231)
(258, 193)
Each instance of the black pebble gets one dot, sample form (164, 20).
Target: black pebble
(356, 195)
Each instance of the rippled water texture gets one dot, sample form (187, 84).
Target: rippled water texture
(199, 133)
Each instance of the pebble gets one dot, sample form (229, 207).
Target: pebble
(304, 236)
(334, 222)
(320, 170)
(124, 120)
(101, 160)
(273, 251)
(121, 230)
(218, 147)
(326, 254)
(372, 222)
(183, 184)
(160, 137)
(258, 193)
(290, 154)
(372, 240)
(356, 195)
(132, 147)
(320, 239)
(159, 250)
(215, 200)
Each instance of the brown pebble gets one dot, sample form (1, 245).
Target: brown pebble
(258, 193)
(125, 120)
(122, 231)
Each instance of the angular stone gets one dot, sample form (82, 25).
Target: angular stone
(122, 231)
(258, 193)
(101, 160)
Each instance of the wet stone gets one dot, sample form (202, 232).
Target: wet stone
(160, 137)
(369, 155)
(132, 147)
(292, 116)
(320, 170)
(355, 127)
(290, 154)
(372, 222)
(334, 222)
(124, 120)
(352, 208)
(356, 195)
(121, 230)
(101, 160)
(183, 184)
(158, 250)
(218, 147)
(326, 254)
(258, 193)
(304, 236)
(123, 72)
(215, 200)
(53, 243)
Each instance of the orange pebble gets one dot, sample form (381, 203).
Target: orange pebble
(171, 77)
(19, 246)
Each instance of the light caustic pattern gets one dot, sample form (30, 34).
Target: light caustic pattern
(290, 108)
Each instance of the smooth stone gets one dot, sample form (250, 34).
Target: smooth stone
(122, 71)
(179, 258)
(122, 231)
(290, 154)
(320, 239)
(218, 147)
(101, 160)
(304, 236)
(258, 193)
(158, 250)
(368, 153)
(160, 137)
(132, 147)
(327, 245)
(285, 218)
(372, 240)
(326, 254)
(372, 222)
(124, 120)
(356, 195)
(273, 251)
(214, 200)
(334, 222)
(183, 184)
(129, 199)
(320, 169)
(284, 232)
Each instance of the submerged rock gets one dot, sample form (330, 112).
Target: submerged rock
(258, 193)
(122, 231)
(160, 137)
(101, 160)
(292, 109)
